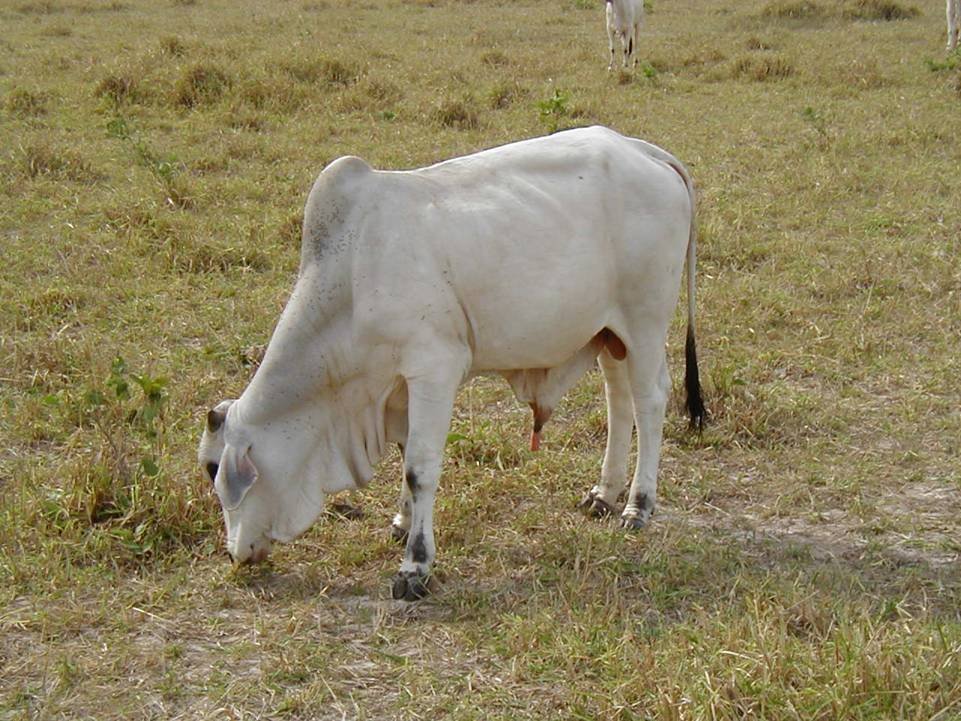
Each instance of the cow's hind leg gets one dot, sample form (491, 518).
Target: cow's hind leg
(430, 406)
(650, 384)
(600, 500)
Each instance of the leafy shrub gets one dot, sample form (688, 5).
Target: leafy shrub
(118, 499)
(553, 109)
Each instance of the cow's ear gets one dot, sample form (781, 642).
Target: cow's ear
(236, 474)
(215, 419)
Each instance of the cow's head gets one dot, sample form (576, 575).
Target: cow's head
(272, 477)
(228, 463)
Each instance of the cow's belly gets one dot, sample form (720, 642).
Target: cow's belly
(540, 317)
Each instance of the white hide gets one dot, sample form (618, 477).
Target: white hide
(954, 23)
(526, 260)
(624, 18)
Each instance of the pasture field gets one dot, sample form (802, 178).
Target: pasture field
(804, 559)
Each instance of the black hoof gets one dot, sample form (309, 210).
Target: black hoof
(600, 509)
(595, 507)
(346, 511)
(408, 586)
(635, 522)
(398, 533)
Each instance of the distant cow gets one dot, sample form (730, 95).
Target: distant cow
(954, 23)
(624, 18)
(530, 260)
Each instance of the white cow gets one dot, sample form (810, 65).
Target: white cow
(954, 23)
(530, 260)
(624, 18)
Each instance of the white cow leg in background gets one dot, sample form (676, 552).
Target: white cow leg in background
(600, 500)
(430, 407)
(954, 23)
(650, 384)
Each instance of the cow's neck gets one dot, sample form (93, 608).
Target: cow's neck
(310, 351)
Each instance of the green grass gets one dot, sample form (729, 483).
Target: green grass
(803, 563)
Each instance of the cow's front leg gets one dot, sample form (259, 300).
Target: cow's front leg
(430, 405)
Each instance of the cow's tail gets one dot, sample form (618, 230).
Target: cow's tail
(692, 381)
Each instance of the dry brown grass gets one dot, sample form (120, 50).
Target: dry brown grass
(803, 562)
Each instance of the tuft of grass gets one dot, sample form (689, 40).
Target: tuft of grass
(950, 63)
(58, 31)
(762, 68)
(173, 46)
(461, 113)
(40, 7)
(505, 94)
(879, 10)
(373, 95)
(756, 43)
(26, 103)
(495, 59)
(41, 159)
(190, 256)
(331, 71)
(794, 9)
(118, 88)
(278, 94)
(201, 84)
(850, 10)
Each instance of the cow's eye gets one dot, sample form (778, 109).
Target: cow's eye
(212, 470)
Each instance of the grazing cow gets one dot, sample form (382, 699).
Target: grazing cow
(954, 23)
(624, 18)
(530, 260)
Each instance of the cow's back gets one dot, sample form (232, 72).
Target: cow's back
(535, 245)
